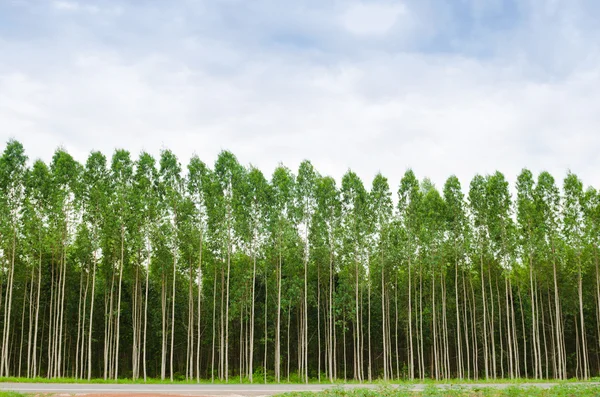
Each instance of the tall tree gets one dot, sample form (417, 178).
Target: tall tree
(198, 188)
(306, 203)
(574, 228)
(170, 191)
(228, 179)
(12, 189)
(354, 213)
(409, 200)
(283, 186)
(457, 227)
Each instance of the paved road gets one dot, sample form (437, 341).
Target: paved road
(214, 390)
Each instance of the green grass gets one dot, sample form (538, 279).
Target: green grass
(433, 391)
(10, 394)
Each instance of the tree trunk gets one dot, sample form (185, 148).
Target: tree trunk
(173, 303)
(146, 317)
(199, 305)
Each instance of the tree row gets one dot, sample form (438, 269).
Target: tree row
(137, 267)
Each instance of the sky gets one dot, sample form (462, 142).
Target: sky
(443, 87)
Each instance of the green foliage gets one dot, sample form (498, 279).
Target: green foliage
(144, 254)
(434, 391)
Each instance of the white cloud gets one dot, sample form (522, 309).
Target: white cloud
(66, 5)
(93, 9)
(195, 92)
(372, 19)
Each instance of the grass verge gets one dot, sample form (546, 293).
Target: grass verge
(10, 394)
(563, 390)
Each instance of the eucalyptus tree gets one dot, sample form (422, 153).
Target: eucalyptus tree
(501, 232)
(170, 188)
(382, 208)
(304, 275)
(592, 239)
(283, 187)
(256, 199)
(432, 215)
(547, 202)
(457, 226)
(121, 173)
(12, 188)
(144, 211)
(382, 212)
(95, 187)
(324, 236)
(354, 212)
(37, 193)
(526, 220)
(409, 201)
(574, 229)
(65, 173)
(306, 203)
(188, 258)
(144, 189)
(479, 208)
(198, 184)
(227, 200)
(81, 251)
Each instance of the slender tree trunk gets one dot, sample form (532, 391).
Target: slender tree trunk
(83, 326)
(466, 328)
(8, 308)
(146, 317)
(383, 327)
(189, 373)
(305, 328)
(22, 330)
(369, 327)
(173, 302)
(491, 329)
(37, 316)
(62, 308)
(319, 321)
(509, 330)
(117, 338)
(561, 357)
(251, 353)
(331, 318)
(226, 352)
(212, 367)
(163, 360)
(459, 364)
(278, 326)
(277, 368)
(78, 326)
(199, 305)
(89, 369)
(524, 334)
(411, 359)
(435, 363)
(582, 325)
(30, 321)
(484, 304)
(287, 339)
(396, 329)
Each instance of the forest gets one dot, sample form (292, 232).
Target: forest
(137, 267)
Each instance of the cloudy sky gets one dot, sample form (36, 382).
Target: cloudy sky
(443, 87)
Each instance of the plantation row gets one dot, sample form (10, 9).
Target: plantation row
(135, 267)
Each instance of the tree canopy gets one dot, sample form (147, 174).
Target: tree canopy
(139, 267)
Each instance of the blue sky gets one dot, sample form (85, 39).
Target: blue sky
(459, 87)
